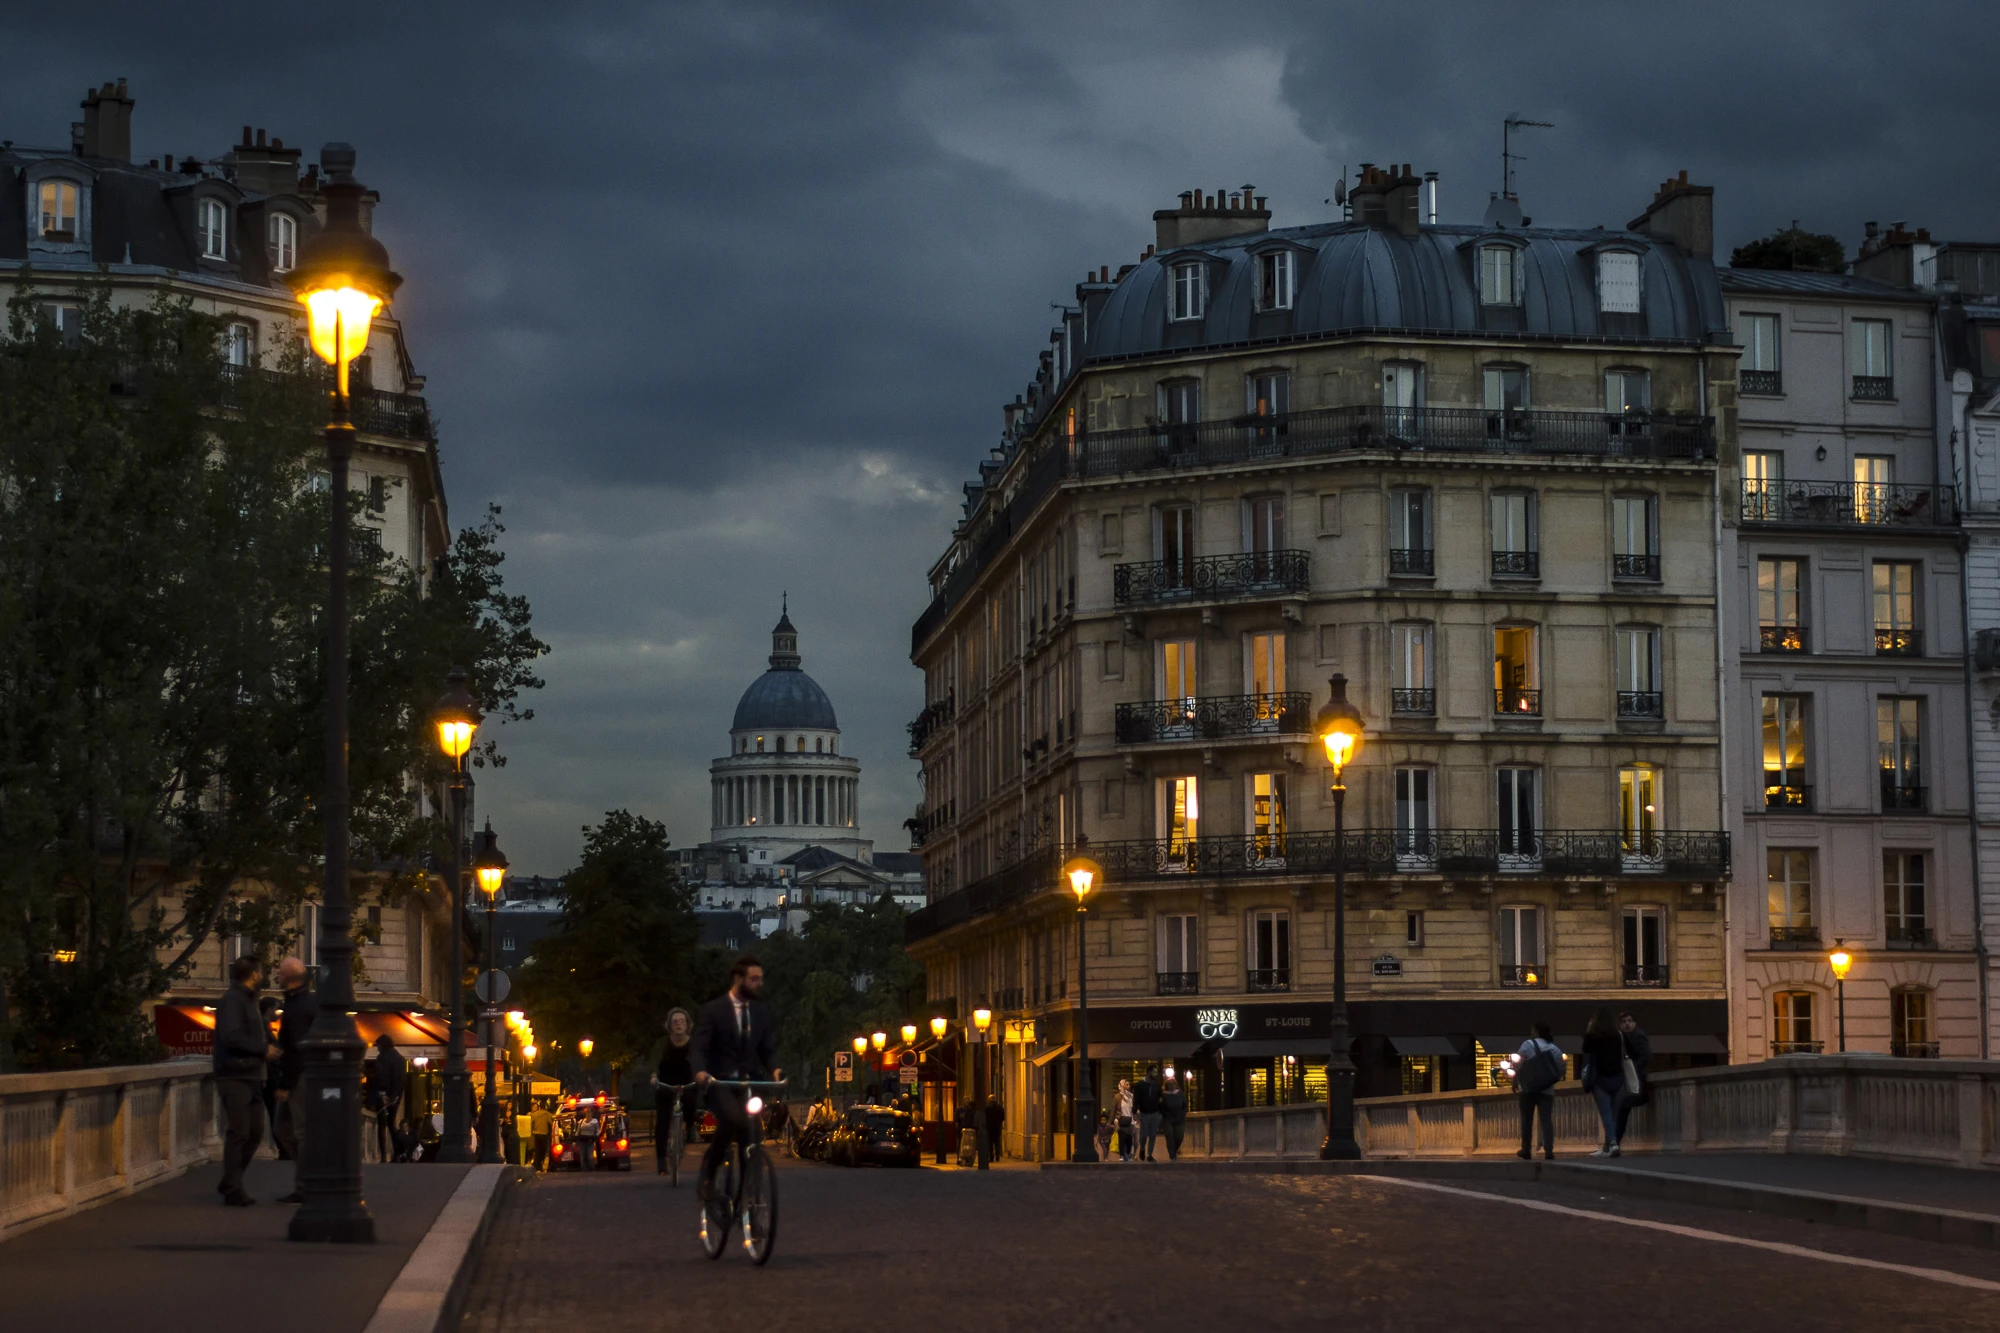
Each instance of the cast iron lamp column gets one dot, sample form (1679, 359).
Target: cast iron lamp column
(456, 718)
(490, 867)
(1083, 875)
(939, 1026)
(1840, 960)
(343, 279)
(982, 1023)
(1339, 728)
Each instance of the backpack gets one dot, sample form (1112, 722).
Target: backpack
(1539, 1072)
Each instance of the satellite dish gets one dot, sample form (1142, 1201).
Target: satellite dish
(1340, 191)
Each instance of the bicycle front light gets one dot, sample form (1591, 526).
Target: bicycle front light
(754, 1106)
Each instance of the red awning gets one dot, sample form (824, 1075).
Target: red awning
(189, 1029)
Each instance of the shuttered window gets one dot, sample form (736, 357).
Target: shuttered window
(1618, 283)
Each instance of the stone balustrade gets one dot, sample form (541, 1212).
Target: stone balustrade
(1940, 1111)
(74, 1139)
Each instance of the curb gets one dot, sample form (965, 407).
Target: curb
(428, 1294)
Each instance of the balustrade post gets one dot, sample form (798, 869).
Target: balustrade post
(1471, 1128)
(65, 1164)
(1690, 1137)
(1416, 1127)
(121, 1130)
(1972, 1127)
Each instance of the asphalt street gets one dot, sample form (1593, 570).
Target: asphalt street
(1186, 1248)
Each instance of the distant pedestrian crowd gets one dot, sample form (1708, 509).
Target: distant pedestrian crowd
(1616, 1054)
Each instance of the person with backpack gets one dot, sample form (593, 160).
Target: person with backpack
(1540, 1068)
(1606, 1071)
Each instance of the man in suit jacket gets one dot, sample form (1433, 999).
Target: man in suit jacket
(733, 1039)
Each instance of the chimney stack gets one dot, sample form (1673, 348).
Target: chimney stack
(107, 123)
(1211, 217)
(1390, 197)
(1683, 214)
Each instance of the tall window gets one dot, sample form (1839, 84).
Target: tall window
(1521, 946)
(1410, 532)
(1638, 668)
(211, 227)
(1644, 952)
(58, 211)
(1781, 626)
(1910, 1034)
(1505, 388)
(1516, 686)
(1763, 485)
(1628, 396)
(1904, 910)
(1190, 290)
(1520, 814)
(1173, 544)
(1784, 718)
(1869, 358)
(1792, 1023)
(281, 242)
(1180, 816)
(1635, 537)
(1264, 532)
(1788, 896)
(1499, 275)
(1266, 814)
(1618, 282)
(1899, 753)
(1639, 813)
(1416, 817)
(1896, 633)
(1268, 393)
(1402, 399)
(1265, 667)
(1275, 279)
(239, 344)
(1410, 687)
(1514, 553)
(1177, 670)
(1874, 488)
(1270, 952)
(1180, 413)
(1178, 955)
(1758, 370)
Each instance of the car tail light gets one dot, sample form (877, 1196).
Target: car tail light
(621, 1143)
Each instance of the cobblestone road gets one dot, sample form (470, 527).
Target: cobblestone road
(1188, 1249)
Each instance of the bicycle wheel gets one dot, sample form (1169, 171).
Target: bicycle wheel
(718, 1214)
(676, 1149)
(760, 1206)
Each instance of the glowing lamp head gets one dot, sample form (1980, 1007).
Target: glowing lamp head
(1839, 960)
(982, 1019)
(879, 1040)
(489, 864)
(860, 1045)
(1082, 874)
(909, 1033)
(1338, 724)
(528, 1052)
(455, 717)
(516, 1019)
(343, 277)
(939, 1026)
(585, 1047)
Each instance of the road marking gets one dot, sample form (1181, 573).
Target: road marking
(1696, 1233)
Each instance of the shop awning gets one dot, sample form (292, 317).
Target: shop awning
(1140, 1050)
(1425, 1046)
(1672, 1045)
(1264, 1050)
(1050, 1056)
(1507, 1045)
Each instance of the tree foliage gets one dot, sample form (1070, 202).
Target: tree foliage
(845, 972)
(1792, 248)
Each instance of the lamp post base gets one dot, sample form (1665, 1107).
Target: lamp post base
(1340, 1144)
(1085, 1147)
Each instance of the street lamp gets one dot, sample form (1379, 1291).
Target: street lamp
(455, 718)
(909, 1034)
(939, 1026)
(585, 1047)
(1083, 875)
(982, 1019)
(342, 278)
(878, 1041)
(1840, 960)
(1339, 728)
(489, 867)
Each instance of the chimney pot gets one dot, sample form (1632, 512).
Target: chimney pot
(1104, 273)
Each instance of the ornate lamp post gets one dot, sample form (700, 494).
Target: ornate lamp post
(1083, 875)
(456, 719)
(1840, 960)
(1339, 728)
(490, 868)
(342, 279)
(939, 1026)
(982, 1020)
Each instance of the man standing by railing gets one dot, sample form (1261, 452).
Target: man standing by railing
(242, 1047)
(301, 1007)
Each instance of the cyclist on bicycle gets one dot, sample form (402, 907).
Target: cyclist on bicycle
(733, 1039)
(676, 1071)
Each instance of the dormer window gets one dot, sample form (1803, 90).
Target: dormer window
(59, 201)
(1276, 279)
(281, 235)
(1499, 275)
(1190, 290)
(1618, 282)
(211, 228)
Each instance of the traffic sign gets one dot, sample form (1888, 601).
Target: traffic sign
(906, 1068)
(492, 987)
(843, 1066)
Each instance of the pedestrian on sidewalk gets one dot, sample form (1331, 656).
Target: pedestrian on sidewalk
(1104, 1135)
(588, 1131)
(996, 1115)
(300, 1008)
(1173, 1114)
(242, 1050)
(1146, 1101)
(267, 1009)
(388, 1076)
(1604, 1073)
(1639, 1049)
(542, 1123)
(1536, 1074)
(1126, 1130)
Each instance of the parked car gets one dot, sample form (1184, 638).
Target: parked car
(880, 1134)
(614, 1141)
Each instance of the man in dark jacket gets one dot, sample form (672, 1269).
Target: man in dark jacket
(242, 1046)
(1146, 1105)
(1640, 1047)
(996, 1115)
(733, 1039)
(386, 1080)
(301, 1007)
(1173, 1115)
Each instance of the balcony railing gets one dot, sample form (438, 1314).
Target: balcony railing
(1899, 643)
(1797, 1047)
(1511, 700)
(989, 893)
(927, 822)
(1413, 560)
(1760, 381)
(1216, 717)
(1645, 974)
(1642, 704)
(1517, 564)
(1874, 389)
(1907, 935)
(1636, 567)
(1795, 937)
(1523, 974)
(932, 721)
(1209, 577)
(1266, 979)
(1849, 504)
(1913, 1050)
(1375, 853)
(1781, 639)
(1177, 983)
(1412, 702)
(1781, 796)
(1900, 795)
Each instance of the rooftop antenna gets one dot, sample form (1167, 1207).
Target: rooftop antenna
(1340, 195)
(1508, 157)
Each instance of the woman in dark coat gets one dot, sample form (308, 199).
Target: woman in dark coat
(1604, 1073)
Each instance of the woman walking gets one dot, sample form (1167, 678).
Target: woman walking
(1604, 1073)
(1126, 1132)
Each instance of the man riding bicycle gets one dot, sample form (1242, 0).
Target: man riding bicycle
(733, 1039)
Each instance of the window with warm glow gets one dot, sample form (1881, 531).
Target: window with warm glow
(58, 211)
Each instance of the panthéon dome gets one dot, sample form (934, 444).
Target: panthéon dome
(784, 698)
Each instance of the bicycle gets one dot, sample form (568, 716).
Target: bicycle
(745, 1187)
(676, 1130)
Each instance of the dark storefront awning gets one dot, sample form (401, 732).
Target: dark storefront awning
(1671, 1045)
(1509, 1045)
(1050, 1056)
(1425, 1046)
(1140, 1050)
(1264, 1050)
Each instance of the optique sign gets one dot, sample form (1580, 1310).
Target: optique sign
(1213, 1023)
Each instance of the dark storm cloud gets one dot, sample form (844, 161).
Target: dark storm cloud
(723, 299)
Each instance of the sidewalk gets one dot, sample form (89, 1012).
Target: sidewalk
(172, 1258)
(1853, 1177)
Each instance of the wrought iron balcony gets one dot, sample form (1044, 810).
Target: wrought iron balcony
(1375, 853)
(1781, 639)
(1913, 1050)
(1797, 1047)
(1849, 504)
(1412, 560)
(1212, 577)
(1794, 937)
(1786, 796)
(1645, 974)
(1874, 389)
(1513, 701)
(1214, 717)
(1413, 703)
(932, 721)
(1177, 983)
(1517, 564)
(1910, 935)
(927, 822)
(1523, 974)
(1760, 381)
(1636, 567)
(1262, 980)
(1649, 704)
(1899, 643)
(1901, 796)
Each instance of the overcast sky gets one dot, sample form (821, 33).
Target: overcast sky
(719, 300)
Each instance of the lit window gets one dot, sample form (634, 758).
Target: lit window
(59, 199)
(282, 240)
(211, 226)
(1618, 282)
(1784, 718)
(1190, 291)
(1521, 946)
(1792, 1023)
(1499, 275)
(1275, 280)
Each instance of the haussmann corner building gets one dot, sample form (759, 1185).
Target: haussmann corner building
(1471, 467)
